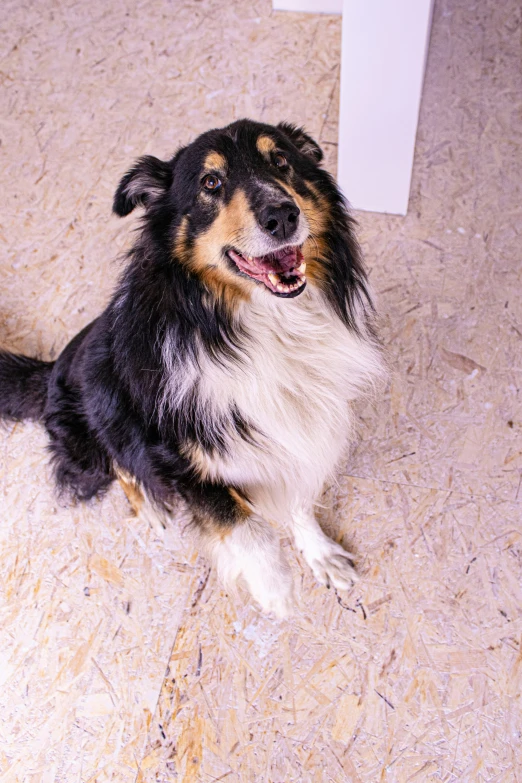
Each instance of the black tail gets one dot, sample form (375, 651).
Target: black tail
(23, 386)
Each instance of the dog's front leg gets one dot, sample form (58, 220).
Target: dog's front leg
(242, 545)
(330, 563)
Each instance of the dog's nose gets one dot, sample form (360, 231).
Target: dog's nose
(280, 220)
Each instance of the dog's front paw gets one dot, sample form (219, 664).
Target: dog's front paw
(281, 604)
(251, 554)
(271, 587)
(332, 565)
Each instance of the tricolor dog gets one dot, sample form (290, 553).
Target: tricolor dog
(226, 363)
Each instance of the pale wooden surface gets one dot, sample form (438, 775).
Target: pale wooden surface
(415, 674)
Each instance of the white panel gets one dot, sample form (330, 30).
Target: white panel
(384, 46)
(309, 6)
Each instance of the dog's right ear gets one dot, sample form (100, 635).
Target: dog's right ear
(148, 179)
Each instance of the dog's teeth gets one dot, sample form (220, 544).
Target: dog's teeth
(281, 288)
(302, 268)
(273, 279)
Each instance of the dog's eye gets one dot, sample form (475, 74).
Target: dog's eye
(280, 160)
(211, 182)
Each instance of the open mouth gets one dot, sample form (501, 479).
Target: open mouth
(282, 272)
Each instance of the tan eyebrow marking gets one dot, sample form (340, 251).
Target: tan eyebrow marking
(215, 161)
(265, 145)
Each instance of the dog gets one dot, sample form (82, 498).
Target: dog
(225, 366)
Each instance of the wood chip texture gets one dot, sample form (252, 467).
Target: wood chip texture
(121, 659)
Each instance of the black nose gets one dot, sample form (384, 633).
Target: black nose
(280, 220)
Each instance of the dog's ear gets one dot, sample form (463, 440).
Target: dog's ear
(148, 179)
(302, 141)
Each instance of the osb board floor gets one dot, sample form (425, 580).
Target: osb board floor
(120, 657)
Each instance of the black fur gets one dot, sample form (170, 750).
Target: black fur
(100, 401)
(23, 386)
(149, 176)
(302, 141)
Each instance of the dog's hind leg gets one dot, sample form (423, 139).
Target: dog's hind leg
(242, 545)
(81, 464)
(331, 564)
(141, 504)
(132, 490)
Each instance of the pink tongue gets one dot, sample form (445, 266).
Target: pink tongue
(287, 259)
(280, 262)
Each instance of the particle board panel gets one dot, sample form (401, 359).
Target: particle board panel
(90, 603)
(415, 671)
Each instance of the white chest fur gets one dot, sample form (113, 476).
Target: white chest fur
(300, 369)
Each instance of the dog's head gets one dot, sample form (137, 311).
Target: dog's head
(249, 207)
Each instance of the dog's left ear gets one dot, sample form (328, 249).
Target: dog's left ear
(302, 141)
(148, 179)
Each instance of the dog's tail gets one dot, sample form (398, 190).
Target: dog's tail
(23, 386)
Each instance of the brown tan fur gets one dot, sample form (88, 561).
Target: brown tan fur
(136, 499)
(132, 490)
(317, 213)
(265, 145)
(219, 280)
(216, 533)
(204, 258)
(197, 457)
(199, 461)
(241, 501)
(215, 161)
